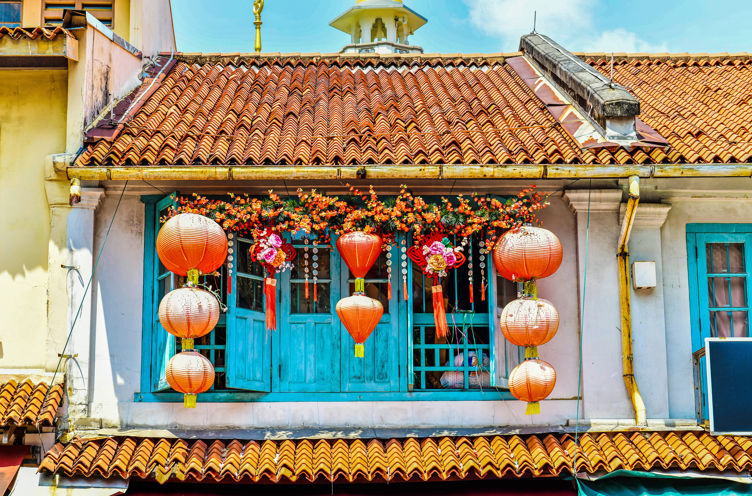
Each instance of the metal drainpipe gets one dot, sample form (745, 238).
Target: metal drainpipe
(625, 304)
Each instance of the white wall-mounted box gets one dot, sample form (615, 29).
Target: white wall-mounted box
(643, 275)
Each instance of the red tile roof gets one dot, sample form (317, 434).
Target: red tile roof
(21, 404)
(396, 459)
(701, 104)
(310, 110)
(19, 33)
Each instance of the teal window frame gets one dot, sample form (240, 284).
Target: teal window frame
(154, 387)
(698, 236)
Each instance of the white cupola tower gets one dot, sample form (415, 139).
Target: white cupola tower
(379, 26)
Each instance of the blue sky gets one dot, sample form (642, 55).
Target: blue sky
(477, 26)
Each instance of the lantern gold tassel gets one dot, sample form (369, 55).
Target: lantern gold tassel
(189, 401)
(187, 344)
(533, 408)
(359, 350)
(75, 192)
(531, 352)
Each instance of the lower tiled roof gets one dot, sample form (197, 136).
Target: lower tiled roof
(396, 459)
(21, 404)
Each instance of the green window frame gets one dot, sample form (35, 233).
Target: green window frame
(719, 260)
(310, 357)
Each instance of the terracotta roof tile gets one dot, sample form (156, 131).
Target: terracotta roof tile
(367, 460)
(33, 34)
(701, 104)
(21, 404)
(314, 110)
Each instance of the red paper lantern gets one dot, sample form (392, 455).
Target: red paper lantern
(359, 251)
(529, 323)
(189, 243)
(190, 373)
(360, 316)
(527, 253)
(532, 381)
(189, 313)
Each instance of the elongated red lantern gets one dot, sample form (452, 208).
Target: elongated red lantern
(189, 313)
(190, 373)
(529, 323)
(532, 381)
(360, 316)
(359, 251)
(527, 253)
(190, 245)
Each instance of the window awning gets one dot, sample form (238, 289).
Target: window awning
(11, 458)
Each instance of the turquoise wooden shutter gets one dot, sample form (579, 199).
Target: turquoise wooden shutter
(307, 344)
(163, 343)
(378, 370)
(249, 347)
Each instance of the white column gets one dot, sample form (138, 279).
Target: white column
(603, 390)
(81, 259)
(391, 28)
(648, 312)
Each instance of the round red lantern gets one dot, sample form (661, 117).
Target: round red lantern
(359, 251)
(527, 253)
(190, 373)
(189, 313)
(360, 316)
(532, 381)
(529, 323)
(190, 244)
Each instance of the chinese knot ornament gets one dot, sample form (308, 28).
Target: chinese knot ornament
(360, 315)
(275, 255)
(191, 245)
(437, 256)
(532, 381)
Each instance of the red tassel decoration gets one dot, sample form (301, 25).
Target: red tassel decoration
(483, 292)
(306, 289)
(471, 293)
(315, 293)
(439, 314)
(270, 291)
(389, 290)
(229, 284)
(404, 288)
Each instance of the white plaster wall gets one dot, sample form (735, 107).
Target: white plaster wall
(151, 26)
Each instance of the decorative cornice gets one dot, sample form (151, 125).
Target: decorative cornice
(600, 200)
(647, 214)
(90, 198)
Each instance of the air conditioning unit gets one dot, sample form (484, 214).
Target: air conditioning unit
(729, 384)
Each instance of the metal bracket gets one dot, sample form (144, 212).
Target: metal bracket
(71, 267)
(67, 356)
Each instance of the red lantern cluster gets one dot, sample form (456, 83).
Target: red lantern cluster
(191, 245)
(527, 254)
(359, 314)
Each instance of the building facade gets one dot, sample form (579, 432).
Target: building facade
(645, 179)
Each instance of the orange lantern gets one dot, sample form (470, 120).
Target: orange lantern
(190, 373)
(190, 244)
(189, 313)
(360, 315)
(532, 381)
(359, 251)
(529, 323)
(527, 253)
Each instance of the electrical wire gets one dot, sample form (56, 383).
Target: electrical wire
(78, 312)
(582, 330)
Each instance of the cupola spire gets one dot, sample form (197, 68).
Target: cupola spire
(379, 26)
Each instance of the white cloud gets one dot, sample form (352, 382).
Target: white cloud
(569, 22)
